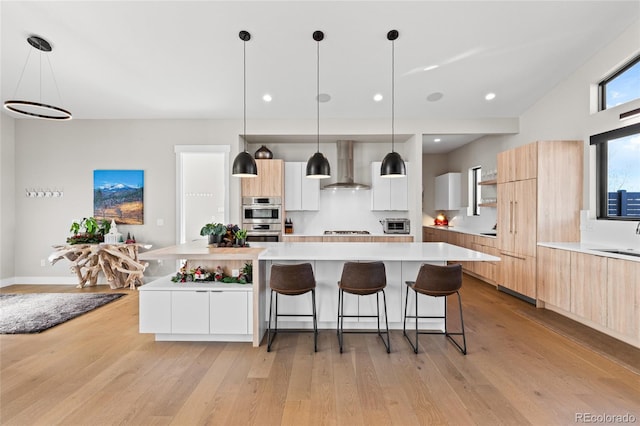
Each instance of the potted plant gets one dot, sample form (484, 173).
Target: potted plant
(88, 231)
(247, 272)
(241, 237)
(215, 231)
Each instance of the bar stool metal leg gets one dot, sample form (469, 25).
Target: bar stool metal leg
(387, 344)
(315, 321)
(462, 348)
(269, 340)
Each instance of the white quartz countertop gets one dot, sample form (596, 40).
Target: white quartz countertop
(421, 252)
(481, 232)
(595, 249)
(380, 234)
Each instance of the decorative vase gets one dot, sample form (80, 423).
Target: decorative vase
(240, 242)
(214, 239)
(263, 153)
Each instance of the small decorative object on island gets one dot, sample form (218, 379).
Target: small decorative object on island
(88, 231)
(264, 153)
(441, 220)
(215, 231)
(241, 237)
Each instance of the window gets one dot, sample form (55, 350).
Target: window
(474, 190)
(618, 173)
(621, 87)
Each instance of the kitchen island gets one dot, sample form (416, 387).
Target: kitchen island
(402, 262)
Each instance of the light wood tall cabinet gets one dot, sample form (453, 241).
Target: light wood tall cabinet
(539, 200)
(268, 183)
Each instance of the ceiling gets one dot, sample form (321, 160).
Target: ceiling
(183, 60)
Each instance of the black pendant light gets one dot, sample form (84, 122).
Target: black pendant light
(33, 108)
(244, 165)
(318, 166)
(393, 165)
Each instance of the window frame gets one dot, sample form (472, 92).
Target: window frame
(601, 142)
(602, 90)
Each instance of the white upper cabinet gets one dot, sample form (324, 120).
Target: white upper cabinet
(448, 191)
(389, 193)
(300, 192)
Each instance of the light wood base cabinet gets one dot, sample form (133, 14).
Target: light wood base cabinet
(588, 287)
(554, 277)
(623, 296)
(603, 292)
(518, 273)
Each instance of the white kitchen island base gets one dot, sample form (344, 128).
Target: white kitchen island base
(234, 312)
(197, 311)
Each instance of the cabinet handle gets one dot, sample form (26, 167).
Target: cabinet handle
(513, 256)
(510, 217)
(515, 218)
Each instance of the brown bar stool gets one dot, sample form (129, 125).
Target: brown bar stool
(436, 281)
(363, 279)
(292, 280)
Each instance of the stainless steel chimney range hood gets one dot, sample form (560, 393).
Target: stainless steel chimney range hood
(344, 171)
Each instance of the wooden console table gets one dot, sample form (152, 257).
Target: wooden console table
(118, 262)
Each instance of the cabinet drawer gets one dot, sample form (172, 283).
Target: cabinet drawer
(190, 312)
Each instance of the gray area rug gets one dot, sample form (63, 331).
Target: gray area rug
(36, 312)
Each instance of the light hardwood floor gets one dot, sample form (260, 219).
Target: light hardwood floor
(521, 369)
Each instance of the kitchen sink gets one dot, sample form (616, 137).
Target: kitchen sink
(626, 252)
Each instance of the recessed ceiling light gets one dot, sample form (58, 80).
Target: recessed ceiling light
(430, 67)
(267, 98)
(490, 96)
(323, 97)
(436, 140)
(435, 96)
(377, 97)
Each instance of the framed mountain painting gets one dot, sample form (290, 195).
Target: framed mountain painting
(118, 195)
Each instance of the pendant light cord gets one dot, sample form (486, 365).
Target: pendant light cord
(393, 93)
(318, 95)
(244, 92)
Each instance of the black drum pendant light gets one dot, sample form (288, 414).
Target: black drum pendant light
(393, 165)
(318, 166)
(37, 109)
(244, 165)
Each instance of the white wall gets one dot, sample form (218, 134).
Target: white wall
(64, 155)
(7, 190)
(569, 112)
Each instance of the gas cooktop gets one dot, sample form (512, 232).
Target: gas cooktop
(346, 232)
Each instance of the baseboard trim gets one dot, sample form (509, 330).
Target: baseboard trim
(46, 280)
(6, 282)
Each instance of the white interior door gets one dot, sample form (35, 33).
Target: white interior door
(202, 188)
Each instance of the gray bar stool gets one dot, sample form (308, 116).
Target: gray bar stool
(436, 281)
(363, 279)
(292, 280)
